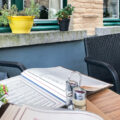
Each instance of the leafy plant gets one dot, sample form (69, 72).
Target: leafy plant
(33, 10)
(3, 18)
(65, 12)
(13, 11)
(3, 92)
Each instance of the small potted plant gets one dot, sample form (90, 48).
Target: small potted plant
(21, 21)
(63, 17)
(3, 92)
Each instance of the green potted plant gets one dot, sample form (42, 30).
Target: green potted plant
(63, 17)
(21, 21)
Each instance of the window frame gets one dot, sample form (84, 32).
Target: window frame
(18, 3)
(112, 21)
(117, 11)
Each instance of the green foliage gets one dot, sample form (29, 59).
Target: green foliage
(3, 18)
(33, 10)
(13, 11)
(69, 8)
(3, 92)
(65, 12)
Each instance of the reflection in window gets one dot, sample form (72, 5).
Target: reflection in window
(1, 3)
(48, 8)
(5, 2)
(111, 8)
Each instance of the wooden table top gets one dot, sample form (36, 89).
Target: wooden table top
(108, 102)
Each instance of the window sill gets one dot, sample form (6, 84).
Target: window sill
(34, 28)
(39, 25)
(45, 28)
(45, 22)
(111, 22)
(5, 29)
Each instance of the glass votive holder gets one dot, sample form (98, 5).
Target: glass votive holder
(69, 92)
(79, 99)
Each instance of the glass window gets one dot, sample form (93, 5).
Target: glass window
(111, 8)
(3, 2)
(48, 8)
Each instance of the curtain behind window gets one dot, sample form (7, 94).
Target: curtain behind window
(54, 7)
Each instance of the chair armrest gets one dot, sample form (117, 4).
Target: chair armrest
(108, 67)
(18, 65)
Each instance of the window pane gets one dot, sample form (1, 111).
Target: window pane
(3, 2)
(111, 8)
(48, 8)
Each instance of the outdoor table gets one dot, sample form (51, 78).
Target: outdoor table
(105, 103)
(108, 102)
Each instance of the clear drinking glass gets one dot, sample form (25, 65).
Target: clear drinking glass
(69, 93)
(74, 80)
(75, 76)
(79, 99)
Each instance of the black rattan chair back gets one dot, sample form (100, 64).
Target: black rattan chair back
(104, 48)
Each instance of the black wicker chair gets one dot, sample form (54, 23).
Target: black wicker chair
(103, 58)
(4, 75)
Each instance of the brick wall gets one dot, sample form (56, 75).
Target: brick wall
(88, 15)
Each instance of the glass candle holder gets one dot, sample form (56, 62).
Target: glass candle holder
(70, 85)
(79, 99)
(74, 80)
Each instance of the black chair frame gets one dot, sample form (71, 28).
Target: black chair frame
(18, 65)
(108, 67)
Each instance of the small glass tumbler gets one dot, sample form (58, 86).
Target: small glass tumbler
(79, 99)
(74, 80)
(69, 92)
